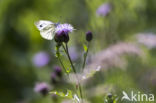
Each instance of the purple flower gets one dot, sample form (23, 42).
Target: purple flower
(42, 88)
(58, 71)
(56, 76)
(62, 32)
(41, 59)
(65, 28)
(104, 9)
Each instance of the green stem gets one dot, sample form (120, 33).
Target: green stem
(85, 57)
(62, 64)
(67, 52)
(58, 56)
(80, 89)
(64, 48)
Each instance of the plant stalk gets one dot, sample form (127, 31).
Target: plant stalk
(85, 57)
(67, 52)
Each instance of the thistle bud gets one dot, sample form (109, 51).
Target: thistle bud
(62, 31)
(58, 71)
(89, 36)
(61, 37)
(109, 95)
(42, 88)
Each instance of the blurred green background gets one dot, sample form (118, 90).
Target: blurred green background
(20, 41)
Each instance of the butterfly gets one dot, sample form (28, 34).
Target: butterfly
(46, 28)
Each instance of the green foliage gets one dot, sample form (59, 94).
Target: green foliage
(111, 99)
(67, 95)
(20, 41)
(85, 47)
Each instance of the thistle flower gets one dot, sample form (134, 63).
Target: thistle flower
(109, 95)
(56, 75)
(58, 71)
(62, 32)
(41, 59)
(89, 36)
(42, 88)
(104, 9)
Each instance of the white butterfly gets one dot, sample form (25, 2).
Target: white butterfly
(46, 28)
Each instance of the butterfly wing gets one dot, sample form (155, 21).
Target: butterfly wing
(46, 28)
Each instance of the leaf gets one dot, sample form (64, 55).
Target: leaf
(68, 70)
(57, 51)
(61, 94)
(69, 94)
(85, 47)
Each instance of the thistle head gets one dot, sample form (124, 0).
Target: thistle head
(62, 32)
(89, 36)
(42, 88)
(58, 71)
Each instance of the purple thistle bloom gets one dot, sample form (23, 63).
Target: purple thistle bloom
(64, 28)
(104, 9)
(58, 71)
(41, 59)
(62, 31)
(42, 88)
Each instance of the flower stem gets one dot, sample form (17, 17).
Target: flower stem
(62, 64)
(70, 59)
(79, 86)
(80, 89)
(58, 56)
(85, 56)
